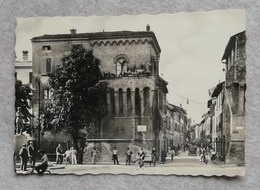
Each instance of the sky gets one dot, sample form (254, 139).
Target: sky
(192, 46)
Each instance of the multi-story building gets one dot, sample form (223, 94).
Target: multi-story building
(216, 113)
(137, 96)
(177, 129)
(23, 69)
(234, 100)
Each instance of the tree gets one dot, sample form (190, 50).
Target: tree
(78, 97)
(23, 94)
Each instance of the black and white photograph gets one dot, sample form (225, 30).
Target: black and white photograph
(147, 94)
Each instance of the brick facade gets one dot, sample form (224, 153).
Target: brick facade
(134, 97)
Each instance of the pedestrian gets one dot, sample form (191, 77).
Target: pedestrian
(175, 149)
(73, 156)
(59, 156)
(23, 153)
(94, 154)
(153, 156)
(19, 121)
(32, 154)
(85, 152)
(67, 155)
(203, 155)
(141, 157)
(128, 156)
(163, 156)
(172, 154)
(42, 167)
(115, 156)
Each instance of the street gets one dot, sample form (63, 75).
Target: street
(183, 164)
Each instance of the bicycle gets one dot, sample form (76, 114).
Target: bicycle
(139, 164)
(40, 172)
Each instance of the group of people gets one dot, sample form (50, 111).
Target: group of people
(70, 155)
(205, 152)
(129, 153)
(29, 154)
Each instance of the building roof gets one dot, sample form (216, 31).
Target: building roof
(97, 36)
(230, 44)
(218, 89)
(175, 108)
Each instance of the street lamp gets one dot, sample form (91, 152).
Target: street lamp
(38, 84)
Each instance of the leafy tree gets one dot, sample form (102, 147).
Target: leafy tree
(78, 95)
(23, 94)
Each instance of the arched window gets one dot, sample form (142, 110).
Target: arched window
(121, 62)
(112, 101)
(137, 102)
(129, 102)
(120, 101)
(146, 94)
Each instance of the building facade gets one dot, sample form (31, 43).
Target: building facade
(177, 130)
(234, 100)
(216, 112)
(23, 69)
(136, 97)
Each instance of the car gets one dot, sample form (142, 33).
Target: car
(192, 150)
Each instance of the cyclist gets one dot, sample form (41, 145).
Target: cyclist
(42, 167)
(141, 158)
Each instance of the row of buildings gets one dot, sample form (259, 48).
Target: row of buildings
(223, 126)
(138, 112)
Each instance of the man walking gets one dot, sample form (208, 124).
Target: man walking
(59, 156)
(24, 157)
(128, 156)
(115, 157)
(32, 154)
(172, 154)
(94, 154)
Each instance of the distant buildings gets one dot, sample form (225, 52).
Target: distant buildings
(177, 126)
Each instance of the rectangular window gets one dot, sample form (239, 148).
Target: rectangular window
(46, 48)
(46, 94)
(15, 75)
(77, 45)
(48, 65)
(30, 77)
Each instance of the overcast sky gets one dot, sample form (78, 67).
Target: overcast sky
(192, 46)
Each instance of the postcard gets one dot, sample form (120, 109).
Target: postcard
(133, 94)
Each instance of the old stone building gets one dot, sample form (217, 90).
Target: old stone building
(137, 96)
(177, 126)
(234, 100)
(215, 105)
(23, 68)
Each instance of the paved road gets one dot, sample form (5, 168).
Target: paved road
(181, 165)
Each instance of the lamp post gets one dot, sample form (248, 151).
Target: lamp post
(38, 83)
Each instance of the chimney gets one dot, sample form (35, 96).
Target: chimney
(148, 28)
(25, 55)
(180, 105)
(73, 31)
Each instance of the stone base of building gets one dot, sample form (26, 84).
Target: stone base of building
(236, 153)
(105, 147)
